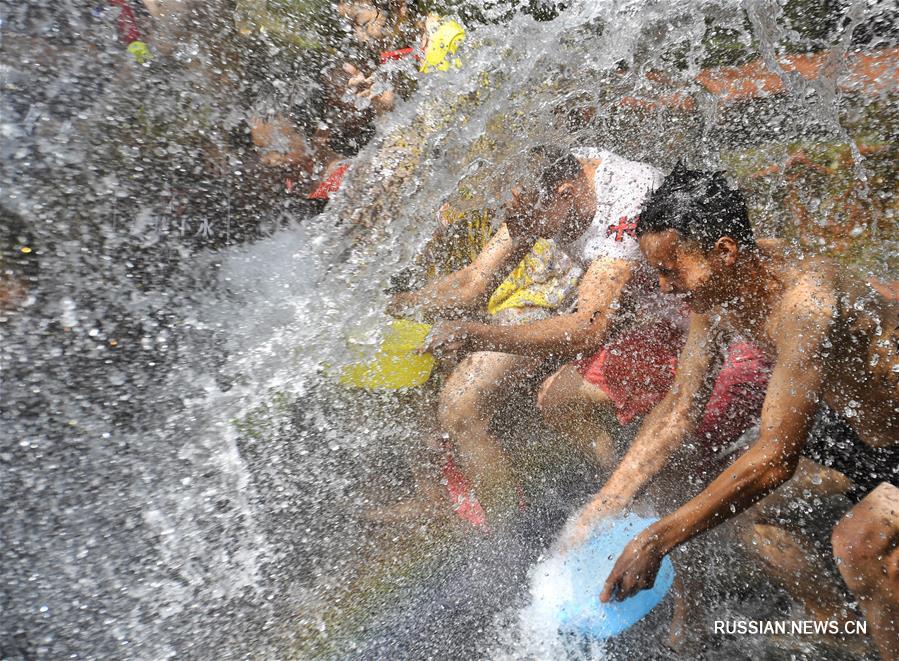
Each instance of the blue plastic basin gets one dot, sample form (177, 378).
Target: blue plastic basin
(588, 568)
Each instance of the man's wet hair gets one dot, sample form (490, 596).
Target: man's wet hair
(698, 205)
(552, 166)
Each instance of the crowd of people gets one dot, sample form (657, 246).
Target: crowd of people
(313, 148)
(655, 301)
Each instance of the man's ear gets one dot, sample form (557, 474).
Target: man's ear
(727, 250)
(566, 191)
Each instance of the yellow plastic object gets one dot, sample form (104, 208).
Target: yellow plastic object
(443, 42)
(140, 51)
(396, 364)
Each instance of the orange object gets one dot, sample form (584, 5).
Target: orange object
(871, 73)
(676, 101)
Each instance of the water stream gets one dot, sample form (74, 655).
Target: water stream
(182, 474)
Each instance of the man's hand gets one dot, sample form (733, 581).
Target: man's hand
(523, 214)
(448, 339)
(383, 102)
(601, 507)
(635, 569)
(358, 83)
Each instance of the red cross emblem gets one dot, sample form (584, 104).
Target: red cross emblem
(623, 227)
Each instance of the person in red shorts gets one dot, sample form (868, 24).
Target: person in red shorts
(631, 374)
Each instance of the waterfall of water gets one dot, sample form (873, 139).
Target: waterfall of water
(182, 473)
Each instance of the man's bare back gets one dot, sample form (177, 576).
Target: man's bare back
(860, 356)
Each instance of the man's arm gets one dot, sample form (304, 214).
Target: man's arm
(672, 420)
(663, 430)
(787, 416)
(470, 287)
(581, 332)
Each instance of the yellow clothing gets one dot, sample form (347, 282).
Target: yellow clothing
(396, 364)
(545, 278)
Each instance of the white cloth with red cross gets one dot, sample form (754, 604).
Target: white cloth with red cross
(622, 187)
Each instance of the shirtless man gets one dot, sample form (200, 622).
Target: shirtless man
(833, 344)
(587, 202)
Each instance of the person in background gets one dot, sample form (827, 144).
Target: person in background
(18, 262)
(390, 42)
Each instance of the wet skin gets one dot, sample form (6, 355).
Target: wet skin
(829, 338)
(859, 354)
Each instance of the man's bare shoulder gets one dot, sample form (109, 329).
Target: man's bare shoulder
(808, 299)
(771, 247)
(807, 283)
(816, 282)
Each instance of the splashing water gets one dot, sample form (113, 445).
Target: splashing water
(183, 475)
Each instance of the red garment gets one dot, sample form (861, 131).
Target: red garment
(465, 504)
(331, 184)
(464, 501)
(637, 369)
(737, 397)
(128, 29)
(388, 55)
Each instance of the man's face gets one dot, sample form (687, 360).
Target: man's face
(545, 215)
(685, 269)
